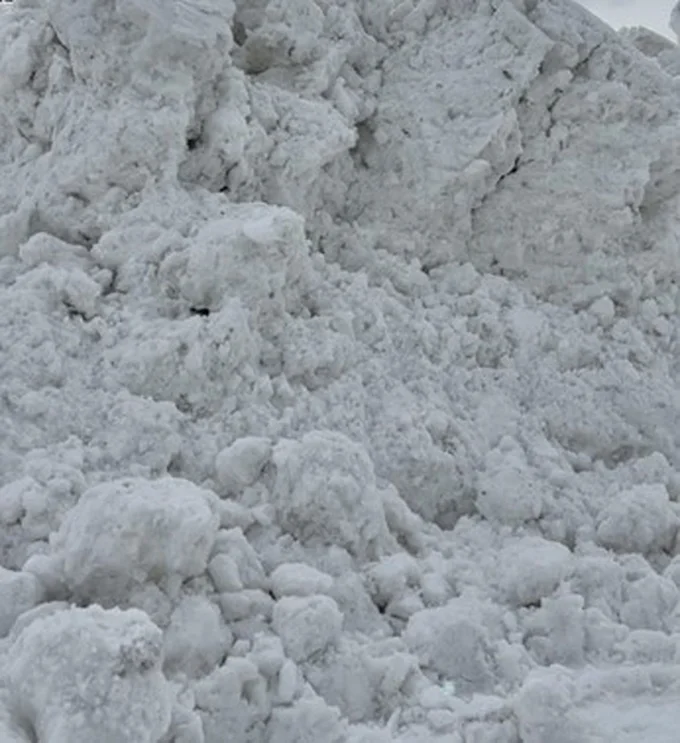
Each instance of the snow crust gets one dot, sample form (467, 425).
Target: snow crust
(339, 377)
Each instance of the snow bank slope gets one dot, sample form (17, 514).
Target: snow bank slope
(339, 373)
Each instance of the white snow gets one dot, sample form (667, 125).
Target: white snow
(339, 380)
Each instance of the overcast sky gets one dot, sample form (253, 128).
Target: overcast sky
(651, 13)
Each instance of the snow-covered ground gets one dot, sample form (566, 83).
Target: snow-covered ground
(339, 373)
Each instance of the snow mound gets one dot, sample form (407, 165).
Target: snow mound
(339, 361)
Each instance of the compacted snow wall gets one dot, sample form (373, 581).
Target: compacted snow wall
(338, 373)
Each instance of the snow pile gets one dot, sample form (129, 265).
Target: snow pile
(339, 361)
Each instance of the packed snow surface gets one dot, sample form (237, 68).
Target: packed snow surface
(339, 373)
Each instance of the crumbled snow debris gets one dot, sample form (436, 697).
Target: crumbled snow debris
(325, 491)
(19, 592)
(240, 464)
(196, 639)
(307, 625)
(639, 520)
(532, 568)
(126, 533)
(298, 579)
(64, 671)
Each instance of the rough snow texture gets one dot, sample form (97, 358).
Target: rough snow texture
(340, 383)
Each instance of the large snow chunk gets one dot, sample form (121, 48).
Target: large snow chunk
(508, 493)
(196, 362)
(532, 569)
(454, 641)
(308, 721)
(545, 709)
(234, 699)
(325, 492)
(240, 464)
(233, 544)
(298, 579)
(19, 592)
(641, 519)
(90, 675)
(125, 533)
(257, 253)
(306, 625)
(197, 638)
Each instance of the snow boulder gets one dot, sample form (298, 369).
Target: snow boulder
(197, 638)
(299, 579)
(239, 465)
(532, 569)
(455, 640)
(544, 708)
(19, 592)
(257, 253)
(508, 492)
(325, 492)
(306, 625)
(310, 720)
(89, 675)
(641, 519)
(126, 533)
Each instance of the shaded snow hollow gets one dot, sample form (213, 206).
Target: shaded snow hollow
(339, 373)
